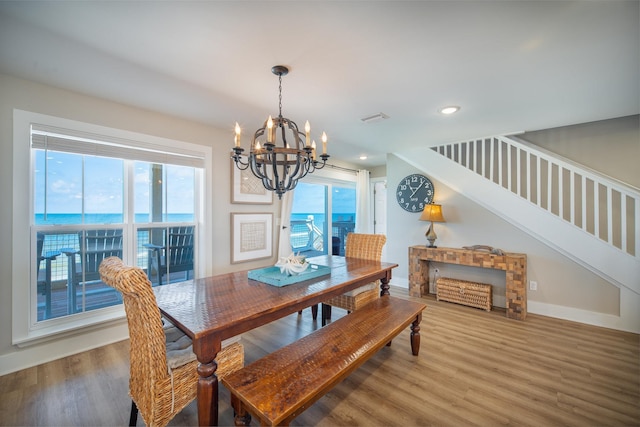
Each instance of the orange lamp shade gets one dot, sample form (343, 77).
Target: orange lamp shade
(433, 213)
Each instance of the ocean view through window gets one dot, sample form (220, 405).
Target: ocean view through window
(66, 218)
(319, 223)
(87, 208)
(86, 185)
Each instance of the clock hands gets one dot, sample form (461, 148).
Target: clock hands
(416, 189)
(409, 185)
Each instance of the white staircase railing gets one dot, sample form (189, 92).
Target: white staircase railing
(603, 207)
(590, 218)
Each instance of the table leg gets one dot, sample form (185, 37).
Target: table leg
(208, 381)
(242, 417)
(384, 284)
(415, 335)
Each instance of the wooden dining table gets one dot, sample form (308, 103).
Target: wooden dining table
(215, 308)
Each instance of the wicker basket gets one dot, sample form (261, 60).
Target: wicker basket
(473, 294)
(352, 302)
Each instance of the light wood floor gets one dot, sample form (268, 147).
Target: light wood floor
(474, 368)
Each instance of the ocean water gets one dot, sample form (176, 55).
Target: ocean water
(320, 218)
(66, 219)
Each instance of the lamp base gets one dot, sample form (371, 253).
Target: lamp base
(431, 236)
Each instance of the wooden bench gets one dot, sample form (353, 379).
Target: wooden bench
(280, 386)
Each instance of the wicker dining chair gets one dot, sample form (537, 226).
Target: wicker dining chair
(163, 376)
(363, 246)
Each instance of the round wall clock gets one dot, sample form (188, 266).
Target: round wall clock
(414, 193)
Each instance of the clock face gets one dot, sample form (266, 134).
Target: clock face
(414, 193)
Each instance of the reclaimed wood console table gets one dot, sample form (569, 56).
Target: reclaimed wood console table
(514, 265)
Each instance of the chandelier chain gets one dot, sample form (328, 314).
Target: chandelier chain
(280, 97)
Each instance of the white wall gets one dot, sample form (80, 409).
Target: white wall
(611, 147)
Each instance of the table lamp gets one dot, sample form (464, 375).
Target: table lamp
(433, 213)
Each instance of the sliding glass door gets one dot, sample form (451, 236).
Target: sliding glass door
(321, 216)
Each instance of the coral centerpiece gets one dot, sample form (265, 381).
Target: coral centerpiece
(293, 264)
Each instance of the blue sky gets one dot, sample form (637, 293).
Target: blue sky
(103, 185)
(309, 198)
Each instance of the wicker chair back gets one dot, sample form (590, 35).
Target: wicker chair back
(365, 246)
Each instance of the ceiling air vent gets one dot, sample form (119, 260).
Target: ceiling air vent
(375, 118)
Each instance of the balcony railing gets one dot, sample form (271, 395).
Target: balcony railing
(67, 278)
(307, 236)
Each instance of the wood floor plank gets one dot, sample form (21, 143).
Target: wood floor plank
(474, 369)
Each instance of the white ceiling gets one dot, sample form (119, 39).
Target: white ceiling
(511, 65)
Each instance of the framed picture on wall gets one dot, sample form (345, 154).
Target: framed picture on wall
(251, 236)
(246, 188)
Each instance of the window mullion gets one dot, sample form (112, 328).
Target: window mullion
(131, 240)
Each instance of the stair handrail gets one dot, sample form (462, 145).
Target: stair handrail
(495, 166)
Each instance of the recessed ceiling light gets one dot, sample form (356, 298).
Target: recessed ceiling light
(363, 157)
(450, 110)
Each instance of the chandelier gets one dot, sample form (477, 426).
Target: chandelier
(285, 154)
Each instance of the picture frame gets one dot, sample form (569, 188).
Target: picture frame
(246, 188)
(251, 236)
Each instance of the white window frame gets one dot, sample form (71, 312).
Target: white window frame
(25, 330)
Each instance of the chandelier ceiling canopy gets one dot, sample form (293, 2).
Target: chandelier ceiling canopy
(280, 153)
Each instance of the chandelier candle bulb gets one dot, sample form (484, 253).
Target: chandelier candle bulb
(307, 131)
(324, 143)
(270, 130)
(238, 132)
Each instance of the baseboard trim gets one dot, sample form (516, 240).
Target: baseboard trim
(628, 321)
(581, 316)
(27, 357)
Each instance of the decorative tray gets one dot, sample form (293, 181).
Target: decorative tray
(272, 275)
